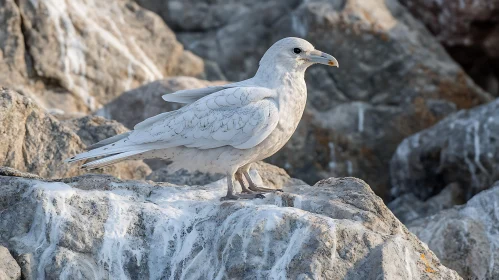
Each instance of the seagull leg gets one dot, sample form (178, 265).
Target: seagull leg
(230, 191)
(239, 178)
(252, 185)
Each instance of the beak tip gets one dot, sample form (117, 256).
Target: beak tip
(333, 63)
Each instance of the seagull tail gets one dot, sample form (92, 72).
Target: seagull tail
(108, 141)
(111, 159)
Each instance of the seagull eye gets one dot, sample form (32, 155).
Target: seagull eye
(297, 50)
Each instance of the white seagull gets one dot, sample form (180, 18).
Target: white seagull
(224, 129)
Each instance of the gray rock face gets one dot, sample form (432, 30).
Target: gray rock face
(144, 102)
(465, 238)
(395, 79)
(409, 207)
(34, 141)
(96, 226)
(470, 32)
(75, 55)
(9, 269)
(461, 148)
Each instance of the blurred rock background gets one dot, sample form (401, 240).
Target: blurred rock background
(412, 110)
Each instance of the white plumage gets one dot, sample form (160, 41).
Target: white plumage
(224, 128)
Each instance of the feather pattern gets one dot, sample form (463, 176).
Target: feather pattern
(241, 117)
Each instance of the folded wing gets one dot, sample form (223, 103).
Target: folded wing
(188, 96)
(241, 117)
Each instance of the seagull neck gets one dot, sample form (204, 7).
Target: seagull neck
(274, 77)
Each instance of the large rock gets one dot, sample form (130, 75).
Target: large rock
(33, 140)
(141, 103)
(395, 79)
(461, 148)
(470, 32)
(466, 238)
(9, 269)
(96, 226)
(36, 142)
(74, 55)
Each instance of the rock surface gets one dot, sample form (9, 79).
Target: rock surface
(96, 226)
(144, 102)
(409, 207)
(9, 269)
(470, 32)
(34, 141)
(461, 148)
(466, 238)
(74, 55)
(395, 79)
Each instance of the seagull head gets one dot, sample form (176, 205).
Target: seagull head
(294, 54)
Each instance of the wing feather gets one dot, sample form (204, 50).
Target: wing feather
(238, 117)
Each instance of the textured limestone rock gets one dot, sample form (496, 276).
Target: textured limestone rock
(395, 78)
(470, 32)
(461, 148)
(96, 226)
(465, 238)
(9, 269)
(74, 55)
(34, 141)
(141, 103)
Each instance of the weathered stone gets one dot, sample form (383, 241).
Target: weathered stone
(470, 32)
(74, 55)
(395, 79)
(9, 269)
(461, 148)
(409, 207)
(9, 171)
(33, 141)
(96, 226)
(465, 238)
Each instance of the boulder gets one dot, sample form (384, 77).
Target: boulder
(32, 140)
(36, 142)
(9, 269)
(461, 148)
(395, 78)
(465, 238)
(470, 32)
(75, 55)
(96, 226)
(136, 105)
